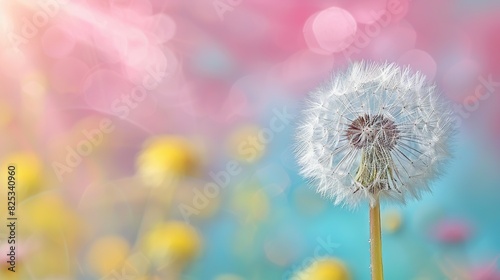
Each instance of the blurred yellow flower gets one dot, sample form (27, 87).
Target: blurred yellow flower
(165, 158)
(54, 231)
(392, 220)
(108, 254)
(244, 204)
(324, 269)
(29, 172)
(49, 259)
(49, 216)
(172, 243)
(5, 114)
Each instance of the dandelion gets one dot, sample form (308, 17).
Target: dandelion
(374, 131)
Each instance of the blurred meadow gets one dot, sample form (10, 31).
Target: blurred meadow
(152, 139)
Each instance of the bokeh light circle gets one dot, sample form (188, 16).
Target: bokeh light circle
(421, 61)
(329, 31)
(162, 27)
(367, 11)
(57, 42)
(133, 47)
(461, 79)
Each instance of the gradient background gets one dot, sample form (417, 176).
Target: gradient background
(119, 114)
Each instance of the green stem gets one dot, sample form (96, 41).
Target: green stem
(376, 242)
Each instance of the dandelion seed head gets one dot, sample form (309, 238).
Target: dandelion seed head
(367, 130)
(374, 130)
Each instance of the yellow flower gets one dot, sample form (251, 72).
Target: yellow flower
(49, 216)
(172, 243)
(325, 269)
(5, 114)
(244, 201)
(108, 254)
(392, 220)
(29, 173)
(167, 157)
(49, 259)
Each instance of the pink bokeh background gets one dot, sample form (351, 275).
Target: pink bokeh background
(204, 69)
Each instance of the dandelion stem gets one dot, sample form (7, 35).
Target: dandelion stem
(376, 242)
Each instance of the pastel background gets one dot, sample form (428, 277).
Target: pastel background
(153, 138)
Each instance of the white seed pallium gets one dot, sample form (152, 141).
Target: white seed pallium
(373, 130)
